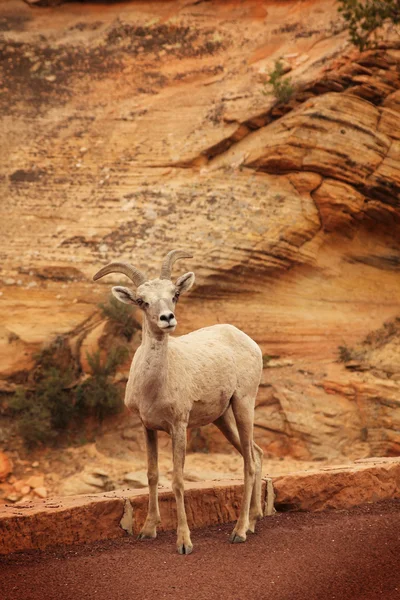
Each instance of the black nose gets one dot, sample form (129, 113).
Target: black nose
(167, 317)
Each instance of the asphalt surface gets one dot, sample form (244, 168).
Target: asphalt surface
(336, 555)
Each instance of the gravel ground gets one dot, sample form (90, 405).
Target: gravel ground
(338, 555)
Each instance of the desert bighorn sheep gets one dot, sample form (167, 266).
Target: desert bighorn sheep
(208, 376)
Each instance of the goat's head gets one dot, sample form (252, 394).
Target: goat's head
(156, 297)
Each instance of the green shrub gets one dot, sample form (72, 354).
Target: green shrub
(115, 357)
(199, 440)
(53, 392)
(55, 403)
(41, 413)
(363, 19)
(98, 396)
(283, 88)
(267, 357)
(345, 354)
(121, 315)
(34, 424)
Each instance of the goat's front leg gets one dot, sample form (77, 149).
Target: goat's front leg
(149, 529)
(178, 434)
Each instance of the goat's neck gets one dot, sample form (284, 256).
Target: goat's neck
(154, 359)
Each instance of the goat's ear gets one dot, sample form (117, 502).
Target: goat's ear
(185, 282)
(124, 295)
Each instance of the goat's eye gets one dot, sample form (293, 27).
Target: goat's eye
(140, 302)
(176, 297)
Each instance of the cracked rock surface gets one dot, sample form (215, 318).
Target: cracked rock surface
(138, 128)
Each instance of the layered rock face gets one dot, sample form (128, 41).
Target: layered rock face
(136, 128)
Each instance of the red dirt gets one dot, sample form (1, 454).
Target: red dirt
(339, 555)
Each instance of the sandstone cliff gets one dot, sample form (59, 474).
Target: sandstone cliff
(134, 128)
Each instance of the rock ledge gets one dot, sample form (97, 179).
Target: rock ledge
(82, 519)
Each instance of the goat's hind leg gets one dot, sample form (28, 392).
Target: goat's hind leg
(256, 511)
(149, 529)
(227, 425)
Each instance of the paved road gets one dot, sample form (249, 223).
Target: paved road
(341, 555)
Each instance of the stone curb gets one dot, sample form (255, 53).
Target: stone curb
(362, 482)
(89, 518)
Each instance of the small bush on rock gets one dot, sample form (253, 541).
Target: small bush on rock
(283, 88)
(364, 18)
(98, 396)
(345, 354)
(56, 402)
(121, 315)
(45, 410)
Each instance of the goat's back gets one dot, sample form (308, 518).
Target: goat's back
(223, 351)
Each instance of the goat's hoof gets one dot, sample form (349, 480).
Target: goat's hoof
(185, 549)
(236, 539)
(253, 522)
(146, 536)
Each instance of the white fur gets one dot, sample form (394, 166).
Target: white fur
(210, 375)
(193, 377)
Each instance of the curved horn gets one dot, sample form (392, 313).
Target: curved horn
(169, 260)
(116, 267)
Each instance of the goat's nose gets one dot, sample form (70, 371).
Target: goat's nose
(167, 318)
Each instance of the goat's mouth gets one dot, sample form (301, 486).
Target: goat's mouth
(168, 328)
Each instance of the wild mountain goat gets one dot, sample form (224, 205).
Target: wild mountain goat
(208, 376)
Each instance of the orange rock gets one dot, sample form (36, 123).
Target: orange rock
(5, 490)
(82, 519)
(35, 481)
(18, 485)
(339, 487)
(388, 123)
(41, 492)
(292, 208)
(5, 466)
(340, 206)
(309, 139)
(99, 516)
